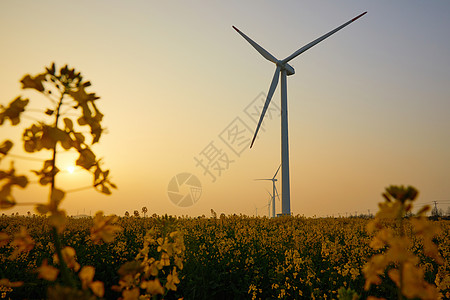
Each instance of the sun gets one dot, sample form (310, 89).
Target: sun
(71, 169)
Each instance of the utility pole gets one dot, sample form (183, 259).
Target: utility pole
(435, 212)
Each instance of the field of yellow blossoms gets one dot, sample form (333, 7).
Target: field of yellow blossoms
(226, 257)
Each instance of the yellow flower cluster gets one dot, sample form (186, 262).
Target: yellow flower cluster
(402, 265)
(21, 244)
(234, 256)
(154, 272)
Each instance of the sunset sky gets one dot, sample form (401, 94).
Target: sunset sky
(368, 107)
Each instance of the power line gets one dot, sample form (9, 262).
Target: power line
(79, 189)
(38, 159)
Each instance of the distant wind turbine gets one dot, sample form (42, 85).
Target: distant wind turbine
(268, 203)
(286, 70)
(274, 190)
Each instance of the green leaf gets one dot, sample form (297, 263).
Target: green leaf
(5, 147)
(29, 82)
(106, 190)
(32, 138)
(69, 124)
(45, 180)
(52, 135)
(56, 198)
(52, 69)
(13, 111)
(21, 181)
(79, 137)
(48, 164)
(82, 121)
(86, 159)
(3, 175)
(7, 202)
(42, 209)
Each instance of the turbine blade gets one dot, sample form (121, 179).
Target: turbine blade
(316, 41)
(258, 48)
(262, 179)
(276, 191)
(276, 172)
(272, 88)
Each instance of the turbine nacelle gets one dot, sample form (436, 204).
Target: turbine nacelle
(289, 69)
(282, 64)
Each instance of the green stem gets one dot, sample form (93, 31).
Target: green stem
(67, 279)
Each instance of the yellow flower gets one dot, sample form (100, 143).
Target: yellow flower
(414, 286)
(58, 220)
(4, 239)
(153, 287)
(68, 254)
(165, 259)
(373, 268)
(178, 262)
(6, 283)
(390, 210)
(132, 294)
(22, 241)
(86, 276)
(381, 238)
(104, 228)
(428, 230)
(47, 272)
(172, 280)
(97, 288)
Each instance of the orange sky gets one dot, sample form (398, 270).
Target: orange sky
(368, 107)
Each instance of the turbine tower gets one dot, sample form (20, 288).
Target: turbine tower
(285, 69)
(274, 190)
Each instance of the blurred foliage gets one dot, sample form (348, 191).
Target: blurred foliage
(55, 131)
(69, 104)
(396, 237)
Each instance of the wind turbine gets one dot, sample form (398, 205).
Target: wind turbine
(274, 190)
(285, 69)
(268, 204)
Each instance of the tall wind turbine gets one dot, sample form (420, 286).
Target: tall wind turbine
(274, 190)
(285, 69)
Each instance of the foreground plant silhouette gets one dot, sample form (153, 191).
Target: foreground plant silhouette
(391, 234)
(56, 131)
